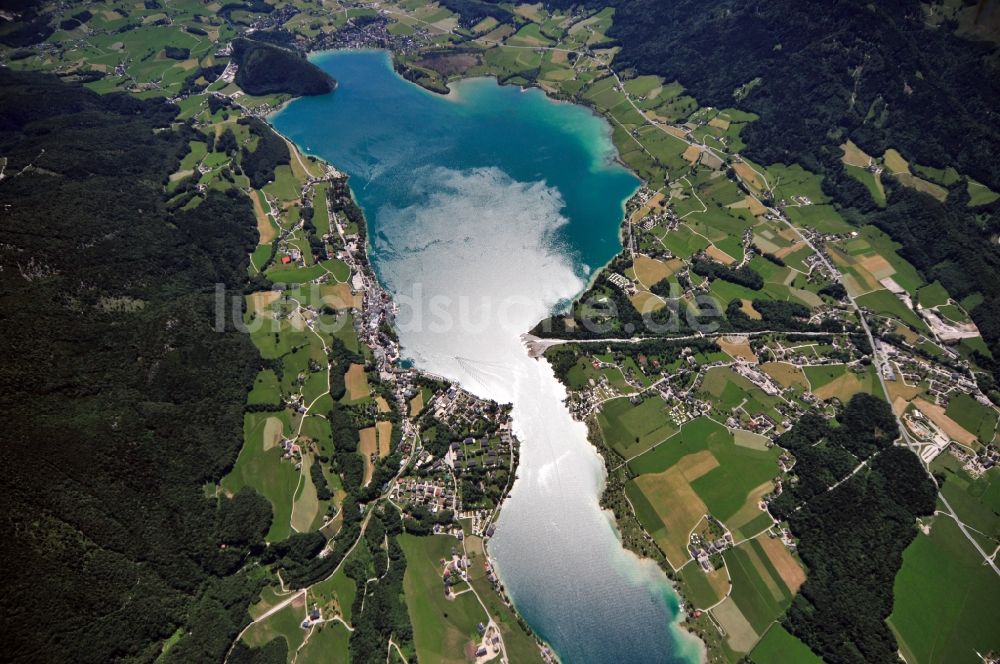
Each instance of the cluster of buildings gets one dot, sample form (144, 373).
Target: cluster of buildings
(371, 32)
(760, 423)
(943, 380)
(622, 282)
(976, 464)
(758, 378)
(931, 441)
(484, 452)
(276, 19)
(489, 647)
(703, 548)
(460, 409)
(456, 571)
(314, 616)
(482, 522)
(436, 494)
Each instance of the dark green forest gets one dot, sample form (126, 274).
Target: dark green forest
(852, 537)
(267, 69)
(121, 401)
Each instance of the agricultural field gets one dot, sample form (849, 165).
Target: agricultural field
(942, 570)
(977, 499)
(260, 465)
(973, 416)
(704, 589)
(631, 430)
(779, 647)
(761, 591)
(442, 627)
(327, 642)
(837, 381)
(700, 470)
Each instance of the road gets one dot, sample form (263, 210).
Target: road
(538, 345)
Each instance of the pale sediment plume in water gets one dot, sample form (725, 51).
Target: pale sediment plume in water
(501, 199)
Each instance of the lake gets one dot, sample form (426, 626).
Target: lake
(487, 209)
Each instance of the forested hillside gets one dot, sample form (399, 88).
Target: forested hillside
(120, 400)
(872, 72)
(266, 69)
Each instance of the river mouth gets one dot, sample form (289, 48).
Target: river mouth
(486, 209)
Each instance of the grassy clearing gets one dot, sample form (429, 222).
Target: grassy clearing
(855, 156)
(932, 295)
(266, 389)
(335, 595)
(871, 181)
(305, 506)
(328, 642)
(285, 186)
(895, 162)
(283, 624)
(980, 194)
(265, 471)
(912, 181)
(416, 405)
(368, 446)
(384, 430)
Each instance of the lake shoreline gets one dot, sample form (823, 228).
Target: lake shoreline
(671, 597)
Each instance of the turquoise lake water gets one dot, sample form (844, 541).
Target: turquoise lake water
(486, 209)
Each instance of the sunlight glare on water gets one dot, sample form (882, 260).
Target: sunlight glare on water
(486, 209)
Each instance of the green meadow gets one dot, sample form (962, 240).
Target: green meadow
(630, 429)
(757, 588)
(945, 599)
(780, 647)
(266, 472)
(441, 627)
